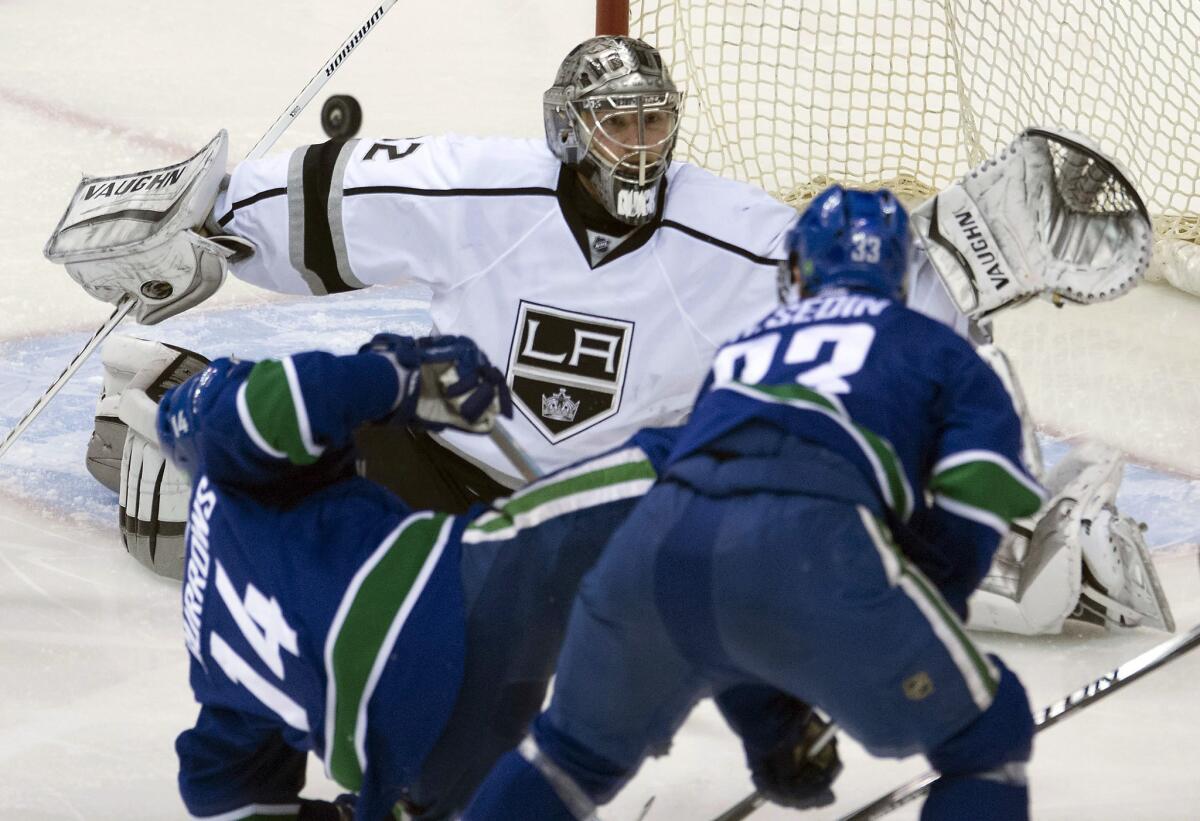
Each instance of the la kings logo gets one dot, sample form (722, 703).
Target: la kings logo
(567, 370)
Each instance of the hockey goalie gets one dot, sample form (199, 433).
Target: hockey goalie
(550, 254)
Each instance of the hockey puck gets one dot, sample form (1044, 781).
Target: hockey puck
(341, 117)
(156, 289)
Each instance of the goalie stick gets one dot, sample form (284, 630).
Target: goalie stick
(281, 124)
(743, 808)
(123, 307)
(515, 454)
(1085, 696)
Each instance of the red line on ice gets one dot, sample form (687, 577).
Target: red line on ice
(63, 114)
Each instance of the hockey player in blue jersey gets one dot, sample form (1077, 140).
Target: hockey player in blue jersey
(407, 650)
(838, 444)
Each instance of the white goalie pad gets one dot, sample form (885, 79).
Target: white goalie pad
(1120, 583)
(152, 493)
(1050, 214)
(1034, 581)
(130, 235)
(136, 373)
(1083, 559)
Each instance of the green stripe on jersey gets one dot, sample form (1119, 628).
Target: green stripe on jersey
(879, 451)
(369, 619)
(987, 486)
(560, 488)
(799, 392)
(273, 411)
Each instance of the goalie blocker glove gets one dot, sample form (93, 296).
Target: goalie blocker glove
(1050, 214)
(136, 236)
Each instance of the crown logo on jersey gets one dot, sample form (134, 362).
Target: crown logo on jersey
(559, 406)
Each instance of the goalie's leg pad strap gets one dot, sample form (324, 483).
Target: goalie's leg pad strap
(104, 452)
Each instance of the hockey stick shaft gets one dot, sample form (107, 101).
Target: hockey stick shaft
(1050, 715)
(289, 115)
(123, 307)
(515, 454)
(281, 124)
(754, 800)
(743, 808)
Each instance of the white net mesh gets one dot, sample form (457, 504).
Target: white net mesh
(912, 94)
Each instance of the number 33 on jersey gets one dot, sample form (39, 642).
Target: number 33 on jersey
(842, 370)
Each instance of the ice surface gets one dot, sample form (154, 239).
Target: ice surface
(92, 669)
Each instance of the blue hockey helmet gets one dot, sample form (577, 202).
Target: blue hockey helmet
(181, 412)
(850, 239)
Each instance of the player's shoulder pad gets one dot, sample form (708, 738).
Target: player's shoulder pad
(734, 212)
(453, 161)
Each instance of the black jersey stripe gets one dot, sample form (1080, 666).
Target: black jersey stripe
(450, 192)
(248, 201)
(720, 243)
(319, 255)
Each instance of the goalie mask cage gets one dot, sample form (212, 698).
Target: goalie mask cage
(794, 95)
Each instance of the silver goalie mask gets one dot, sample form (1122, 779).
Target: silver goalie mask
(613, 112)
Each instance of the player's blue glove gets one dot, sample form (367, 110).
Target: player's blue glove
(446, 381)
(789, 773)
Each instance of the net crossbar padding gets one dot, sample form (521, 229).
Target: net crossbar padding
(911, 95)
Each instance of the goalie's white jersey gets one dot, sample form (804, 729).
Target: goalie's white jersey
(598, 336)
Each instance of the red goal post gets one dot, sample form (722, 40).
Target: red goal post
(913, 93)
(612, 16)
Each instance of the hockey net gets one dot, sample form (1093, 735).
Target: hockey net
(913, 93)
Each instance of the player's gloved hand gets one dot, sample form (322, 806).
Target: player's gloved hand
(446, 381)
(341, 809)
(789, 773)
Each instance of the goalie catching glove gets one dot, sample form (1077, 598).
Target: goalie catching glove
(1050, 214)
(134, 236)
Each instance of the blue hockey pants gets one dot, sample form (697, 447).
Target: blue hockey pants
(705, 587)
